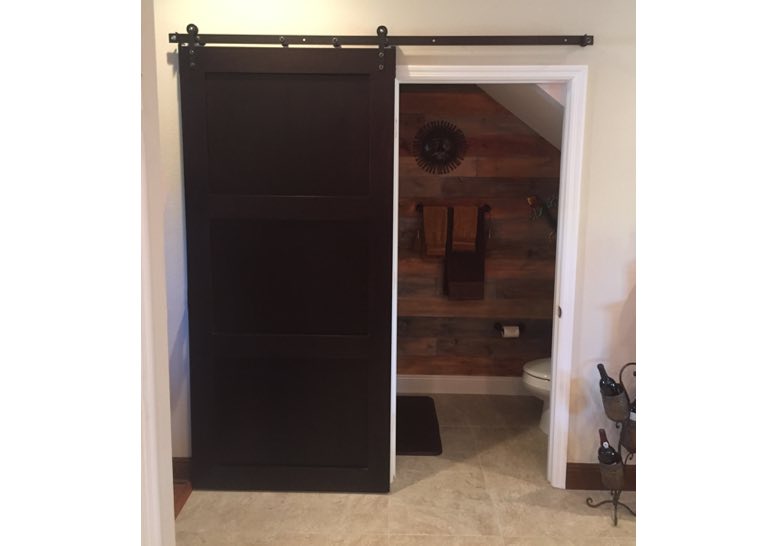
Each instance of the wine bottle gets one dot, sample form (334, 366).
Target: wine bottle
(607, 455)
(607, 385)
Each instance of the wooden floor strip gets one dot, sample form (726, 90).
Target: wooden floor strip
(182, 490)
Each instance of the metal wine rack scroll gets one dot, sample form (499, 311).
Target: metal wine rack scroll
(617, 408)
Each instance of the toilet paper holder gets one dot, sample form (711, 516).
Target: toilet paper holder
(509, 330)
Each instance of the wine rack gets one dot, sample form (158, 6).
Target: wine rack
(617, 409)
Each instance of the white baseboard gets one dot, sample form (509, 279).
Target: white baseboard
(460, 384)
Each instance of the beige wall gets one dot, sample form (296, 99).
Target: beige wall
(606, 270)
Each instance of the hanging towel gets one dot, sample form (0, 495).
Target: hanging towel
(464, 229)
(435, 230)
(464, 271)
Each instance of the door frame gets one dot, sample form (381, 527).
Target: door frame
(575, 77)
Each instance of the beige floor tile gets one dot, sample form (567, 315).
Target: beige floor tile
(324, 513)
(509, 411)
(538, 541)
(487, 411)
(470, 518)
(310, 539)
(458, 445)
(190, 538)
(560, 514)
(564, 541)
(447, 487)
(443, 540)
(282, 539)
(443, 495)
(457, 467)
(222, 513)
(513, 461)
(606, 541)
(513, 451)
(451, 410)
(411, 469)
(489, 486)
(228, 517)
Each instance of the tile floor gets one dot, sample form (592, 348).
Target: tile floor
(487, 488)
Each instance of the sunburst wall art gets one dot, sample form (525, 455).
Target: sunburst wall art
(439, 147)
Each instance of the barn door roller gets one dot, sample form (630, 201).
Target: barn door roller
(381, 39)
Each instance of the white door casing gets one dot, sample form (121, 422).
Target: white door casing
(575, 78)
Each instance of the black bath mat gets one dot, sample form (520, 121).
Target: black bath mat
(417, 426)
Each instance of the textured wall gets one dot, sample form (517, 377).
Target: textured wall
(505, 162)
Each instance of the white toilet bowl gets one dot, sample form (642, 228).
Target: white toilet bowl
(537, 380)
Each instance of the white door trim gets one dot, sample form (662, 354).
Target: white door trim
(575, 77)
(157, 480)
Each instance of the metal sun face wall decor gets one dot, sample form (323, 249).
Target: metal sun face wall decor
(439, 147)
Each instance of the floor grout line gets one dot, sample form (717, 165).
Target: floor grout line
(486, 487)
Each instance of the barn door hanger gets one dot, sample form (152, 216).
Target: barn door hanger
(382, 35)
(192, 40)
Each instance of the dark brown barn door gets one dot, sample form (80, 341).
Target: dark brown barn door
(288, 159)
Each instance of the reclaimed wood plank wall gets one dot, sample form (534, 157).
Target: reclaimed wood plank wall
(506, 162)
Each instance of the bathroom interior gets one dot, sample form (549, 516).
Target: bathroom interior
(476, 245)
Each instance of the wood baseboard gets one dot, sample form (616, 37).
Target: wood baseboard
(182, 491)
(181, 468)
(587, 476)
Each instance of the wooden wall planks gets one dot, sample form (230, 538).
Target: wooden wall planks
(505, 163)
(440, 306)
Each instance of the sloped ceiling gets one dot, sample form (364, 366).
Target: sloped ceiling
(540, 107)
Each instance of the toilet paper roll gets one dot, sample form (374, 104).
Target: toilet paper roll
(510, 331)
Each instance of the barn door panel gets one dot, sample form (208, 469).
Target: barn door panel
(288, 160)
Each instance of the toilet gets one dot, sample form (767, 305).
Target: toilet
(537, 380)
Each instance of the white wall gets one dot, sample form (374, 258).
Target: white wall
(606, 279)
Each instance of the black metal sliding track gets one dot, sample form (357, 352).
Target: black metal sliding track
(381, 39)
